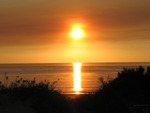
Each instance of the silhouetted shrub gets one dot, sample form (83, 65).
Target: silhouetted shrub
(40, 97)
(130, 88)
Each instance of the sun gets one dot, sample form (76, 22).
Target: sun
(77, 31)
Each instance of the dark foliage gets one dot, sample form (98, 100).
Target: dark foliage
(41, 97)
(120, 95)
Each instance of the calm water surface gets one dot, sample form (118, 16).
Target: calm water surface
(63, 73)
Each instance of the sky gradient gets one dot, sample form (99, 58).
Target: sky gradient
(37, 31)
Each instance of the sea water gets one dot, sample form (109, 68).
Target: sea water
(62, 73)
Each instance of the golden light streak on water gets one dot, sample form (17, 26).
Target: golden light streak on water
(77, 77)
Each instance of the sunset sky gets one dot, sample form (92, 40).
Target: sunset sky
(38, 31)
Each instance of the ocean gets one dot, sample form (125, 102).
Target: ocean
(63, 73)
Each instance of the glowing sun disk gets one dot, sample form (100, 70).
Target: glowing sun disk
(77, 33)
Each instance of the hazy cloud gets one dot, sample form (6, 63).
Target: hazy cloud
(39, 25)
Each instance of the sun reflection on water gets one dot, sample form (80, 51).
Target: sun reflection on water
(77, 88)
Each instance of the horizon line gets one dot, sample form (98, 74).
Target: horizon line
(73, 62)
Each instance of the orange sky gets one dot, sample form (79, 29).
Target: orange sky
(38, 31)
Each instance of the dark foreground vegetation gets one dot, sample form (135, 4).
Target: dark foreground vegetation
(24, 96)
(128, 93)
